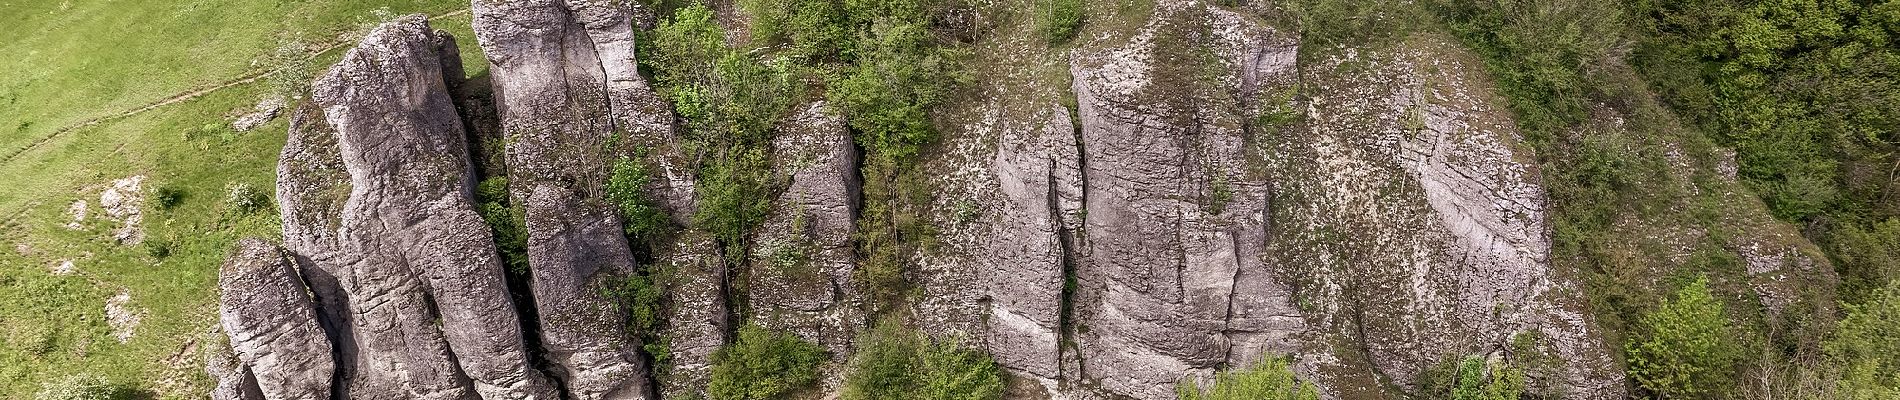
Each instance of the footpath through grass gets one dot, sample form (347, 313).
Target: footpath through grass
(204, 185)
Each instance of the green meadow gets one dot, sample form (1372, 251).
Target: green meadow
(76, 80)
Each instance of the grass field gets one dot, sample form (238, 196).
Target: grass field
(73, 61)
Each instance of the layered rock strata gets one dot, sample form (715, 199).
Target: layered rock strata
(1422, 237)
(1204, 204)
(1172, 281)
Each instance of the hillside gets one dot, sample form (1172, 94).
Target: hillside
(950, 199)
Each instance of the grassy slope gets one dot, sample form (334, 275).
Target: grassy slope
(85, 59)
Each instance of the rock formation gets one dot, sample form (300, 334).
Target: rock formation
(697, 321)
(272, 322)
(1207, 200)
(234, 382)
(800, 279)
(405, 271)
(1424, 238)
(1172, 281)
(570, 101)
(1207, 215)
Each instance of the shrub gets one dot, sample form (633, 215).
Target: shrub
(1801, 89)
(1685, 348)
(167, 197)
(243, 198)
(660, 348)
(159, 248)
(1472, 378)
(899, 77)
(1866, 257)
(1867, 345)
(730, 103)
(763, 364)
(1269, 379)
(812, 28)
(895, 362)
(642, 295)
(1063, 20)
(1326, 23)
(82, 386)
(505, 222)
(626, 189)
(734, 196)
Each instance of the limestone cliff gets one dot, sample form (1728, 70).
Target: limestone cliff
(1188, 189)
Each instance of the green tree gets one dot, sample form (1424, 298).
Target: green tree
(1062, 20)
(505, 221)
(730, 103)
(626, 188)
(1685, 348)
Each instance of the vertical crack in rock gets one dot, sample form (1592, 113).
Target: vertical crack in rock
(311, 189)
(374, 185)
(235, 382)
(571, 102)
(273, 327)
(1038, 174)
(409, 221)
(800, 278)
(1175, 220)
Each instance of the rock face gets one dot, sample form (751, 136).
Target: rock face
(697, 319)
(800, 280)
(234, 381)
(570, 101)
(1423, 238)
(1026, 242)
(1204, 204)
(1204, 214)
(1172, 280)
(273, 326)
(403, 267)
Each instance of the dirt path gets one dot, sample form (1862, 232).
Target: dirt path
(248, 77)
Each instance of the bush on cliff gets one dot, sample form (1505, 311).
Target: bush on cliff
(764, 364)
(1269, 379)
(1685, 348)
(896, 362)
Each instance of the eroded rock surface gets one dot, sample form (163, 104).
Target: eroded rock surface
(801, 275)
(570, 103)
(1414, 223)
(1192, 212)
(375, 193)
(124, 202)
(272, 322)
(1172, 281)
(234, 382)
(698, 319)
